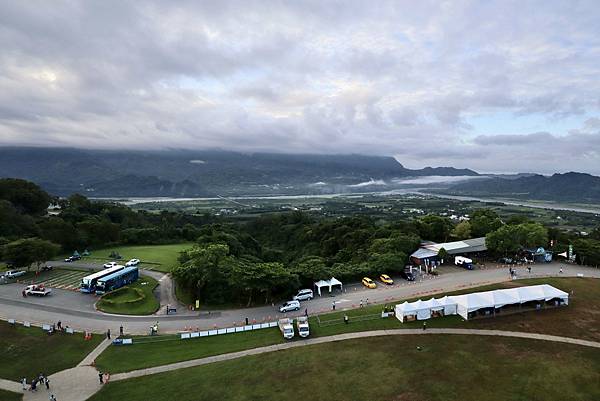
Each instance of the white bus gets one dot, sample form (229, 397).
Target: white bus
(88, 283)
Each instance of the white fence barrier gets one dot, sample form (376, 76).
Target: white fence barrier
(227, 330)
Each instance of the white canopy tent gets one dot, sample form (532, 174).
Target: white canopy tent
(514, 296)
(464, 304)
(328, 283)
(404, 310)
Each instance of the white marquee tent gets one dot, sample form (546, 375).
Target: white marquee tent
(328, 283)
(464, 304)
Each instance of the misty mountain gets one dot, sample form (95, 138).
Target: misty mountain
(183, 173)
(568, 187)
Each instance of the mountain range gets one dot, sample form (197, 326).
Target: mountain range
(183, 173)
(568, 187)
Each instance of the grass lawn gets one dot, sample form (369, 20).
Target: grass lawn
(156, 257)
(29, 351)
(10, 396)
(154, 352)
(135, 299)
(581, 319)
(386, 368)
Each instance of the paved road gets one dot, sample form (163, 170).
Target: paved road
(71, 308)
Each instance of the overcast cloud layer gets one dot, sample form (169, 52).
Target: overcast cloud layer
(495, 86)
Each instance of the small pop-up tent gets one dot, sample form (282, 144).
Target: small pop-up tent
(448, 304)
(328, 283)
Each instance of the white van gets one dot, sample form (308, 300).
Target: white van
(303, 295)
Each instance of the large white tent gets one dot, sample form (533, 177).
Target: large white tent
(491, 300)
(468, 303)
(328, 283)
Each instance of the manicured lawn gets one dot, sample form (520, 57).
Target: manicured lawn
(580, 319)
(448, 367)
(135, 299)
(155, 352)
(29, 351)
(10, 396)
(156, 257)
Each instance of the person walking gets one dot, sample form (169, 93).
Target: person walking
(306, 312)
(59, 325)
(24, 383)
(333, 305)
(47, 383)
(367, 302)
(346, 319)
(51, 397)
(34, 385)
(121, 331)
(529, 269)
(361, 303)
(100, 377)
(561, 270)
(108, 334)
(424, 326)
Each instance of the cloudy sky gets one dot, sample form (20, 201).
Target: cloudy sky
(495, 86)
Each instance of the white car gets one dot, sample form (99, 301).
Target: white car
(109, 265)
(133, 262)
(289, 306)
(303, 295)
(14, 273)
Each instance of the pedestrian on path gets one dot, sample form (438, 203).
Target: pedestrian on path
(108, 334)
(361, 303)
(24, 383)
(121, 331)
(33, 385)
(47, 383)
(333, 305)
(100, 377)
(367, 302)
(529, 269)
(560, 271)
(424, 326)
(51, 397)
(59, 325)
(306, 312)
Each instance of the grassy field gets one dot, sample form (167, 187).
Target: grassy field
(386, 368)
(29, 351)
(581, 319)
(156, 257)
(135, 299)
(10, 396)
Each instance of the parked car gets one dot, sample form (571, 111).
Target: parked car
(385, 279)
(507, 261)
(72, 258)
(290, 306)
(407, 275)
(133, 262)
(303, 295)
(14, 273)
(109, 265)
(46, 268)
(367, 282)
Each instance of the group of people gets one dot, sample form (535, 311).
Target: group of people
(39, 380)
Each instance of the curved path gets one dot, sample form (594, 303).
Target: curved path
(76, 310)
(347, 336)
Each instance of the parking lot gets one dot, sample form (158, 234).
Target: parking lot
(65, 279)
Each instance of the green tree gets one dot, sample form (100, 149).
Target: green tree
(462, 230)
(434, 228)
(26, 196)
(25, 252)
(442, 254)
(388, 262)
(484, 221)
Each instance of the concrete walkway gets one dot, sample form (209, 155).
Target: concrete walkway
(75, 384)
(347, 336)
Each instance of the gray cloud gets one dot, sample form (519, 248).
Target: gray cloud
(406, 79)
